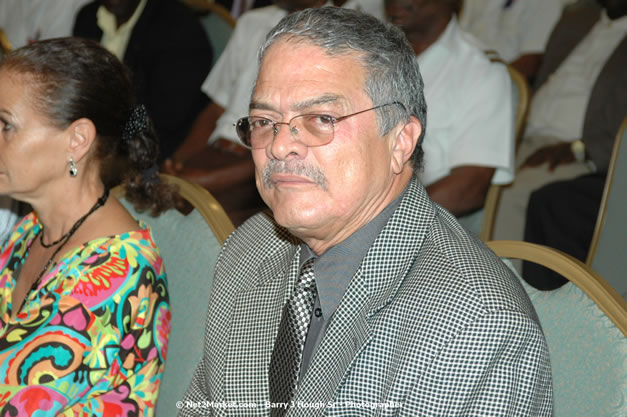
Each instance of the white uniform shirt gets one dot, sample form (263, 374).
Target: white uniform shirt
(26, 21)
(231, 80)
(512, 28)
(558, 108)
(469, 109)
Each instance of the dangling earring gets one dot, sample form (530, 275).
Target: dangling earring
(73, 169)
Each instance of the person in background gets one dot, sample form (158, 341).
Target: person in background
(579, 103)
(212, 155)
(516, 30)
(167, 51)
(84, 310)
(562, 215)
(470, 142)
(357, 292)
(25, 22)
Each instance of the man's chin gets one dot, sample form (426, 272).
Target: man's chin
(294, 219)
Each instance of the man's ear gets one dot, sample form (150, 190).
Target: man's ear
(405, 141)
(82, 134)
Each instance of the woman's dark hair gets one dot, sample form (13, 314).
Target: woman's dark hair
(76, 78)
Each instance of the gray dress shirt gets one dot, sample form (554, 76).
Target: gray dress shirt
(333, 271)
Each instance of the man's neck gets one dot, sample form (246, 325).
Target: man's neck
(123, 16)
(421, 40)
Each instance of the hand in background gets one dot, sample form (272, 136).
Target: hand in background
(554, 155)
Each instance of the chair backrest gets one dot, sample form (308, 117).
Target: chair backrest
(520, 97)
(585, 325)
(206, 204)
(218, 24)
(607, 249)
(189, 249)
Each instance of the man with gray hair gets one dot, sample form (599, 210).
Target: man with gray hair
(358, 295)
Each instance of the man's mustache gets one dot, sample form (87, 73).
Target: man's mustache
(293, 167)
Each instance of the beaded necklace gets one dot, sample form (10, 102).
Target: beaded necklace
(65, 238)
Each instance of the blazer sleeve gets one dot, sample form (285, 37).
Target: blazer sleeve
(197, 401)
(496, 366)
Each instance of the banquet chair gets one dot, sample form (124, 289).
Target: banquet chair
(189, 245)
(520, 96)
(585, 325)
(609, 240)
(481, 221)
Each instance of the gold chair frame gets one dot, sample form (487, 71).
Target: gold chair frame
(591, 283)
(606, 193)
(491, 204)
(5, 44)
(201, 200)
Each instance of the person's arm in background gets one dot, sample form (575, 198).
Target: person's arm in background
(463, 190)
(197, 138)
(481, 139)
(528, 64)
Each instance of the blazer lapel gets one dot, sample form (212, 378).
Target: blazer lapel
(347, 333)
(255, 322)
(375, 283)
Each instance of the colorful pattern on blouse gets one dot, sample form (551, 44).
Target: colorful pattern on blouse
(92, 339)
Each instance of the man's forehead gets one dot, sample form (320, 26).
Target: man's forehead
(314, 76)
(302, 104)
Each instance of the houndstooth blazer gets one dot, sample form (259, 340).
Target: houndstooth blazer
(432, 324)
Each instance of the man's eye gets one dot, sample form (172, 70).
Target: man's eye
(5, 126)
(322, 119)
(260, 123)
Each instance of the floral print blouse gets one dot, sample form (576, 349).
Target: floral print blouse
(92, 339)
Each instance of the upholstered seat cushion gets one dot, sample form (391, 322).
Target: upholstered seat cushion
(588, 353)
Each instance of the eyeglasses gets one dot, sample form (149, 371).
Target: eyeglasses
(309, 129)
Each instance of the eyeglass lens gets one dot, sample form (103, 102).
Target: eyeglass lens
(310, 129)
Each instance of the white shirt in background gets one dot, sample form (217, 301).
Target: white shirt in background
(26, 21)
(511, 27)
(558, 108)
(231, 80)
(469, 109)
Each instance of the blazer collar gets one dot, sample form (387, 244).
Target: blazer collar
(375, 283)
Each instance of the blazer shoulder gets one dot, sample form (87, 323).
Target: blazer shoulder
(258, 237)
(471, 269)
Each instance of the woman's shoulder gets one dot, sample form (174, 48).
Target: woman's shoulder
(112, 265)
(137, 244)
(27, 226)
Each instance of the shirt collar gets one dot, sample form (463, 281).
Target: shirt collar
(335, 268)
(107, 21)
(446, 43)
